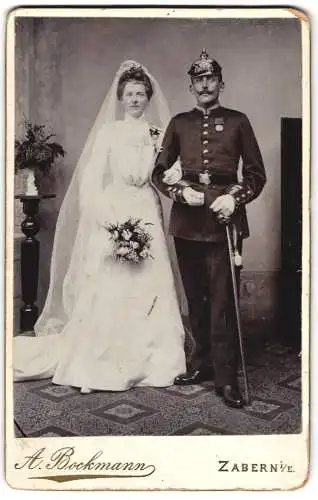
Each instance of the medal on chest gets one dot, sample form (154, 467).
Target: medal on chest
(219, 124)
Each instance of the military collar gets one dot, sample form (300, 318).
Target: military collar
(208, 111)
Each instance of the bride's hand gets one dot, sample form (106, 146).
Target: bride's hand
(172, 175)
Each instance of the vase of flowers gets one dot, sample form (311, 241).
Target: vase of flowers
(34, 153)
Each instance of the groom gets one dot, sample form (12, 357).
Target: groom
(209, 140)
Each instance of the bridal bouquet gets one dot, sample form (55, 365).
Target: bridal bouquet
(131, 241)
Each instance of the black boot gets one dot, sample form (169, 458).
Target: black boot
(195, 376)
(231, 396)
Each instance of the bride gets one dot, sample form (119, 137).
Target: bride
(110, 324)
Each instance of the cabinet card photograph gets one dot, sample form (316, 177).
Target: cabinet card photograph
(157, 248)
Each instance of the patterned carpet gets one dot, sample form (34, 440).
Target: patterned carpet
(43, 409)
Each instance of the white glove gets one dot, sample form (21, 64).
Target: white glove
(172, 175)
(192, 197)
(224, 207)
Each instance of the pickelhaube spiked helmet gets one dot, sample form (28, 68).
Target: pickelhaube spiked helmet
(205, 66)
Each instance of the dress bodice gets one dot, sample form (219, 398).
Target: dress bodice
(131, 152)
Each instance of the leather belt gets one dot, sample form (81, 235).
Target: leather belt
(207, 178)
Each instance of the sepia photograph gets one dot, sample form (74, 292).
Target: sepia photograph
(156, 241)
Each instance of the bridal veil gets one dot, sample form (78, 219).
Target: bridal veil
(90, 177)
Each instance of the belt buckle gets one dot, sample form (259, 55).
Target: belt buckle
(205, 178)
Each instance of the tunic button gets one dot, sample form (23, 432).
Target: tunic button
(205, 124)
(205, 161)
(205, 151)
(205, 132)
(205, 142)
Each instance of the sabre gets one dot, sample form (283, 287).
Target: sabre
(237, 312)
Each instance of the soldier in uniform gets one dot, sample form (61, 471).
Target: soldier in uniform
(209, 140)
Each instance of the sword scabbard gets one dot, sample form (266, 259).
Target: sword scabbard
(229, 236)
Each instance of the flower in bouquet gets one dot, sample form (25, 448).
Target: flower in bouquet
(122, 251)
(131, 240)
(144, 253)
(126, 234)
(115, 235)
(134, 244)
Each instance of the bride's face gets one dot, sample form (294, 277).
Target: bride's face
(134, 99)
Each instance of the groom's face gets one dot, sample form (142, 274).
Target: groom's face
(206, 89)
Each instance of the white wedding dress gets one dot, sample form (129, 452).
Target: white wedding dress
(123, 326)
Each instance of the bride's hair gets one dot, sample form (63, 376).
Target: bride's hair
(135, 74)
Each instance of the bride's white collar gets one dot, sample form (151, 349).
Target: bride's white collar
(140, 119)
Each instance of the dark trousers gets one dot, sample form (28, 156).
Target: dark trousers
(206, 275)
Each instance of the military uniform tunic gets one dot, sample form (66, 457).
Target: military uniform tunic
(210, 146)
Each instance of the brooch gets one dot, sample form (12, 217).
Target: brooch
(154, 131)
(154, 134)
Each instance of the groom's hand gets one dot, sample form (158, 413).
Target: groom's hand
(192, 197)
(223, 207)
